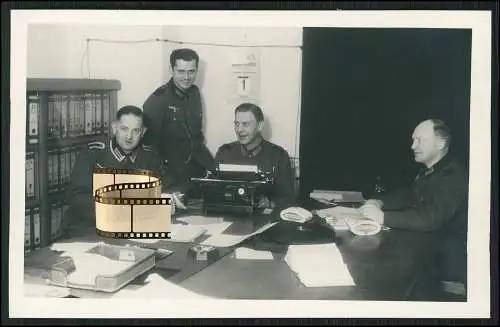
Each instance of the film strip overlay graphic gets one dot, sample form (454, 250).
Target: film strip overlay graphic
(129, 205)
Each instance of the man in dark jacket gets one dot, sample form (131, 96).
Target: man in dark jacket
(175, 118)
(122, 151)
(436, 201)
(252, 149)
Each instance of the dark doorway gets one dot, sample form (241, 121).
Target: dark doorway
(363, 93)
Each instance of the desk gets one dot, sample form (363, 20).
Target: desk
(388, 271)
(384, 267)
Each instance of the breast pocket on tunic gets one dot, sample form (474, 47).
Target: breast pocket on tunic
(176, 121)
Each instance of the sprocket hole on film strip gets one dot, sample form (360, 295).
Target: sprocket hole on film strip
(129, 205)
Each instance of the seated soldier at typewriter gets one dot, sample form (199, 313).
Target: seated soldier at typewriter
(124, 150)
(252, 149)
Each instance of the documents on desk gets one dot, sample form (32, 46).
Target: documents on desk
(200, 220)
(318, 265)
(244, 253)
(337, 196)
(211, 225)
(228, 240)
(157, 287)
(71, 248)
(344, 218)
(185, 233)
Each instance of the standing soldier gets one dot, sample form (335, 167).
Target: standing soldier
(176, 119)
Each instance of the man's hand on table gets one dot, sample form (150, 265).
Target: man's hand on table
(176, 200)
(372, 209)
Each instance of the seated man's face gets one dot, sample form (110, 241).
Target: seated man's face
(128, 132)
(426, 145)
(246, 127)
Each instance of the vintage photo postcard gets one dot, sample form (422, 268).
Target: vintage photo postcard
(250, 164)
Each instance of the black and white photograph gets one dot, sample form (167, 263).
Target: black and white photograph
(333, 156)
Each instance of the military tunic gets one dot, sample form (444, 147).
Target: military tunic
(436, 201)
(102, 154)
(174, 121)
(269, 157)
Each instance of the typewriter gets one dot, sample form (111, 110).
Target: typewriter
(233, 188)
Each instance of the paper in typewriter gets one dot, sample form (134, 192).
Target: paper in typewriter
(128, 204)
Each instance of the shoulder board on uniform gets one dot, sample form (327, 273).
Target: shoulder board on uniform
(227, 146)
(147, 147)
(96, 145)
(160, 90)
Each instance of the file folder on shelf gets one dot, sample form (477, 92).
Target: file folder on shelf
(33, 117)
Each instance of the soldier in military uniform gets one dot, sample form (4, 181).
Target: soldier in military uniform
(122, 151)
(435, 202)
(252, 149)
(175, 117)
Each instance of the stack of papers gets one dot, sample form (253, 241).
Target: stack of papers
(318, 265)
(337, 196)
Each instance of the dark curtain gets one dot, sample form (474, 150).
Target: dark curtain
(363, 93)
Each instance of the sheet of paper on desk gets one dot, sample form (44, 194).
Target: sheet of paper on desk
(185, 233)
(157, 287)
(200, 220)
(211, 225)
(318, 265)
(214, 229)
(73, 247)
(227, 240)
(244, 253)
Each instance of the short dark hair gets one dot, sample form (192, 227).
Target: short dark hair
(442, 130)
(183, 54)
(255, 109)
(126, 110)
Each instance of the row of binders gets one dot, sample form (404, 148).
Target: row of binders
(33, 225)
(69, 115)
(60, 163)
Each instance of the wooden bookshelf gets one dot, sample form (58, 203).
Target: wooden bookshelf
(62, 116)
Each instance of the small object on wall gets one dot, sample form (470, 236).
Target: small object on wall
(245, 75)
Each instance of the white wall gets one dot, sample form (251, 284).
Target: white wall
(47, 51)
(280, 78)
(59, 51)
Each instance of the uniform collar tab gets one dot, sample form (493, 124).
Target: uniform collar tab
(254, 149)
(119, 154)
(180, 93)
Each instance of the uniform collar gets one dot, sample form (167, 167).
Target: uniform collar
(254, 148)
(177, 91)
(436, 167)
(119, 154)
